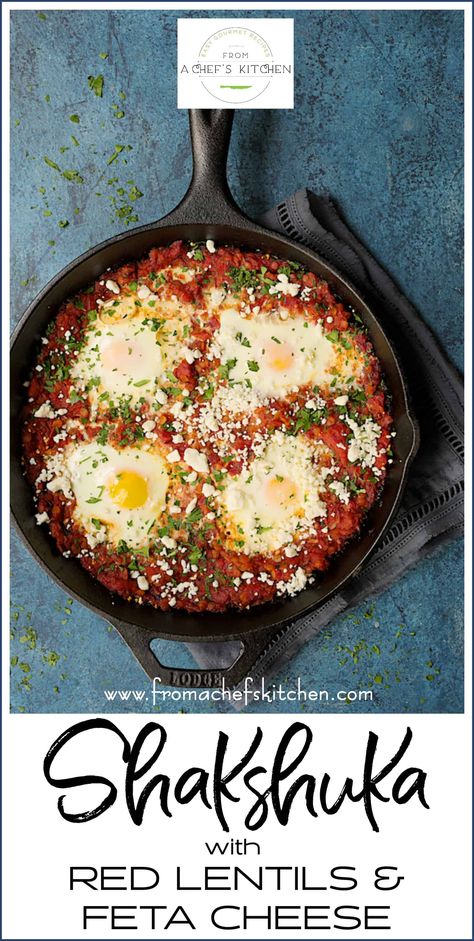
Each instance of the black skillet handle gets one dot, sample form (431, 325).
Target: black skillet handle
(139, 640)
(208, 199)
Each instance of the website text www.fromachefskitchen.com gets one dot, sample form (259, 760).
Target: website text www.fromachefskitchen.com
(250, 691)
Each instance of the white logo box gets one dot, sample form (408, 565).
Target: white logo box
(235, 63)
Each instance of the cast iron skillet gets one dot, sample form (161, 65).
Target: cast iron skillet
(206, 211)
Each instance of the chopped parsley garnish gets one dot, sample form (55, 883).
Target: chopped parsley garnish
(242, 278)
(73, 176)
(117, 150)
(52, 164)
(103, 435)
(194, 516)
(96, 499)
(306, 418)
(358, 397)
(154, 324)
(195, 555)
(335, 337)
(225, 368)
(96, 84)
(243, 340)
(208, 392)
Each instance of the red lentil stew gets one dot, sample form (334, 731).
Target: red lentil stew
(205, 428)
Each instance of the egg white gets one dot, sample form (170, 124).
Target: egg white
(94, 473)
(276, 497)
(274, 356)
(127, 352)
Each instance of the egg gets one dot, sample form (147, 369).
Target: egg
(274, 356)
(119, 494)
(277, 496)
(127, 352)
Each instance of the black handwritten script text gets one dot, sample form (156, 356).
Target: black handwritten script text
(215, 784)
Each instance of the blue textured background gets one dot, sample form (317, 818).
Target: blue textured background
(378, 124)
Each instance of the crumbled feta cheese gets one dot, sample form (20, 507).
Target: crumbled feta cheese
(142, 583)
(191, 506)
(59, 483)
(149, 425)
(210, 246)
(211, 422)
(112, 286)
(45, 411)
(363, 445)
(341, 400)
(196, 460)
(41, 518)
(169, 542)
(294, 584)
(315, 403)
(161, 396)
(143, 292)
(173, 457)
(176, 409)
(284, 286)
(340, 490)
(94, 539)
(291, 551)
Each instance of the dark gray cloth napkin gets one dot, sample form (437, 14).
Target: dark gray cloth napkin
(432, 508)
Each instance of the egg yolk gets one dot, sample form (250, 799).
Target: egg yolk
(279, 491)
(278, 356)
(116, 355)
(128, 490)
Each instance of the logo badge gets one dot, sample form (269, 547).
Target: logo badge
(235, 63)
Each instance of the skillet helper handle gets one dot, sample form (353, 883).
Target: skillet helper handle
(139, 640)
